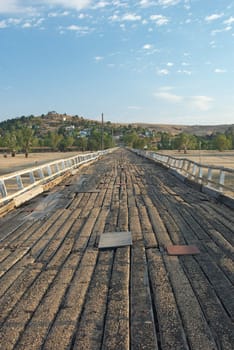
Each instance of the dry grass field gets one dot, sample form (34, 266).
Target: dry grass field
(19, 162)
(225, 159)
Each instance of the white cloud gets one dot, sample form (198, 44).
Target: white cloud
(213, 17)
(184, 71)
(27, 25)
(74, 4)
(119, 3)
(18, 6)
(14, 21)
(168, 96)
(58, 14)
(147, 47)
(32, 22)
(9, 6)
(163, 72)
(146, 3)
(185, 64)
(213, 44)
(167, 3)
(229, 21)
(101, 4)
(160, 20)
(131, 17)
(226, 29)
(78, 29)
(98, 58)
(135, 108)
(219, 70)
(3, 24)
(204, 103)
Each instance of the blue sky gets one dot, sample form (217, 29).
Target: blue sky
(162, 61)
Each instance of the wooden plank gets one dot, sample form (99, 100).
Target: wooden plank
(63, 328)
(43, 317)
(167, 317)
(197, 330)
(116, 331)
(143, 330)
(89, 332)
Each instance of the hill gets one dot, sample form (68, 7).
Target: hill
(65, 132)
(53, 121)
(198, 130)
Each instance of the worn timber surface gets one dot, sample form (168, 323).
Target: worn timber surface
(58, 291)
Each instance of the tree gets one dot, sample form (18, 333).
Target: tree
(165, 142)
(10, 141)
(65, 143)
(82, 143)
(25, 138)
(222, 142)
(130, 138)
(53, 139)
(185, 141)
(230, 135)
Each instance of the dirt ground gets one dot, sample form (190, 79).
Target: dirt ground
(19, 162)
(225, 159)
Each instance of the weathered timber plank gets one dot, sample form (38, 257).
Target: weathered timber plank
(197, 330)
(143, 330)
(219, 322)
(116, 332)
(21, 313)
(40, 322)
(15, 292)
(159, 228)
(61, 333)
(12, 259)
(90, 328)
(48, 231)
(171, 333)
(223, 287)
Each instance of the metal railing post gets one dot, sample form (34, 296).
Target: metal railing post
(3, 189)
(221, 180)
(19, 182)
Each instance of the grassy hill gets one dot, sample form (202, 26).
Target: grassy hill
(53, 121)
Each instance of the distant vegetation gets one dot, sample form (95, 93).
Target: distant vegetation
(61, 132)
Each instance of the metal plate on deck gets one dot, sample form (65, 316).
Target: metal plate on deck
(182, 250)
(115, 239)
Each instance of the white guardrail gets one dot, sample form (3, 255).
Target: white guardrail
(29, 181)
(216, 178)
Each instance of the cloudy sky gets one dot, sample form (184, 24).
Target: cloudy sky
(159, 61)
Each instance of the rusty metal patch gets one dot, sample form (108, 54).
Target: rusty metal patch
(182, 250)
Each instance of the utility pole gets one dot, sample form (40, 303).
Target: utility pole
(102, 140)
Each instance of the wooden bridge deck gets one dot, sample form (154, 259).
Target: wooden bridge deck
(59, 291)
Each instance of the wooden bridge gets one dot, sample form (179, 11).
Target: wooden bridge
(59, 290)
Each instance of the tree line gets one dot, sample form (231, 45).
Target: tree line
(62, 133)
(23, 140)
(181, 142)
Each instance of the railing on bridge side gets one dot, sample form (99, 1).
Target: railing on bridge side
(220, 179)
(14, 184)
